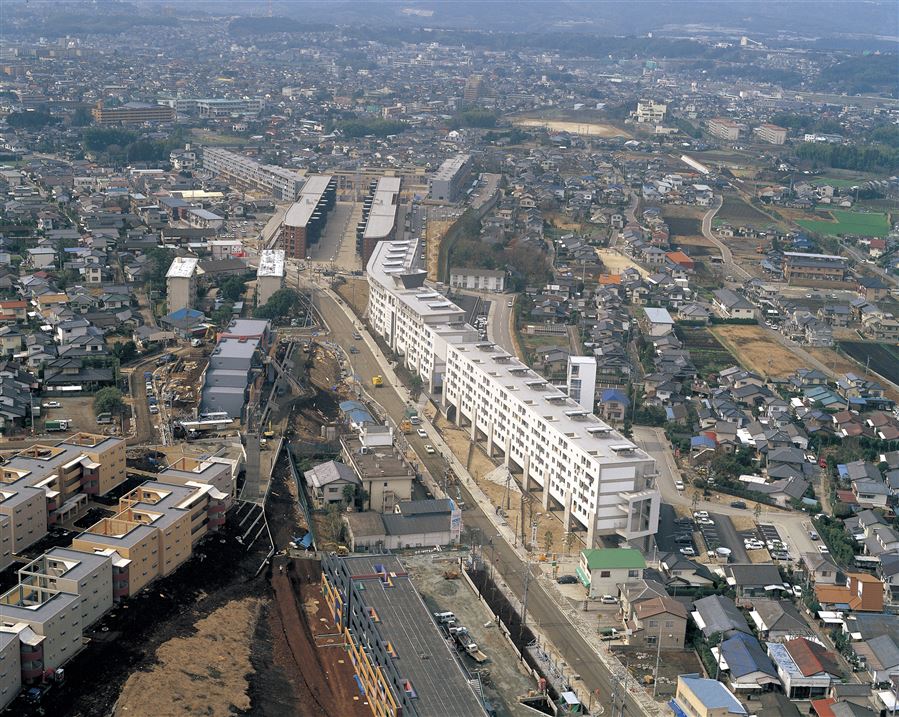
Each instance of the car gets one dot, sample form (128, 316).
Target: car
(566, 579)
(813, 535)
(705, 521)
(683, 521)
(357, 335)
(154, 409)
(683, 538)
(52, 404)
(430, 450)
(422, 433)
(687, 551)
(354, 350)
(701, 514)
(510, 304)
(797, 591)
(679, 484)
(738, 504)
(823, 549)
(608, 600)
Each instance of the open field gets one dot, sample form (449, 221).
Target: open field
(615, 263)
(683, 226)
(756, 351)
(594, 129)
(708, 354)
(840, 181)
(881, 358)
(736, 211)
(868, 224)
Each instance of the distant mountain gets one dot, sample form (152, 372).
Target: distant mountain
(825, 18)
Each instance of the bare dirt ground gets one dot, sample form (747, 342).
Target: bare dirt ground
(595, 129)
(756, 351)
(615, 263)
(203, 673)
(434, 234)
(550, 531)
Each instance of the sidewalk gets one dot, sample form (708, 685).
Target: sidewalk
(591, 637)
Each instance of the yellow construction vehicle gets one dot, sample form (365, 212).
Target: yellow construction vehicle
(377, 381)
(405, 426)
(269, 433)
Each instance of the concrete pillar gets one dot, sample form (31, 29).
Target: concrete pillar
(474, 424)
(546, 498)
(526, 473)
(508, 449)
(591, 533)
(566, 520)
(490, 439)
(459, 412)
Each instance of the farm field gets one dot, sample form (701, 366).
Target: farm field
(707, 353)
(735, 210)
(756, 350)
(881, 358)
(839, 182)
(683, 226)
(870, 224)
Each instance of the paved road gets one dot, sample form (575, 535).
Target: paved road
(731, 267)
(542, 609)
(499, 323)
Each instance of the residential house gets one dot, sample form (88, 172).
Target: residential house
(717, 613)
(697, 696)
(778, 620)
(328, 481)
(731, 305)
(749, 667)
(752, 579)
(603, 570)
(659, 622)
(806, 668)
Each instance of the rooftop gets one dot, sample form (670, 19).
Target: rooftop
(302, 210)
(182, 267)
(614, 558)
(271, 263)
(382, 215)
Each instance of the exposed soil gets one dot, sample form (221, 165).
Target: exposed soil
(756, 351)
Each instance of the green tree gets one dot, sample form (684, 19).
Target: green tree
(232, 288)
(280, 305)
(349, 494)
(125, 351)
(108, 400)
(547, 541)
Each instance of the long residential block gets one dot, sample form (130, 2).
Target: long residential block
(603, 481)
(281, 183)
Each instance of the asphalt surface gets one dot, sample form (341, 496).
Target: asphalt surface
(729, 538)
(542, 609)
(499, 327)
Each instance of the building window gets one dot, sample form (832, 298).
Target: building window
(605, 573)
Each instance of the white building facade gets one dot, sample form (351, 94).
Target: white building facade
(604, 483)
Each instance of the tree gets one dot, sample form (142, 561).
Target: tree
(108, 400)
(569, 541)
(280, 305)
(125, 351)
(349, 494)
(547, 541)
(232, 288)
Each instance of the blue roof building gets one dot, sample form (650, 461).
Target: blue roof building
(750, 668)
(701, 697)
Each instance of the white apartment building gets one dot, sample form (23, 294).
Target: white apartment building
(181, 283)
(478, 279)
(604, 483)
(280, 182)
(581, 381)
(724, 128)
(269, 274)
(10, 666)
(650, 112)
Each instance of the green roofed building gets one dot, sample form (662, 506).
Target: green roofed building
(602, 570)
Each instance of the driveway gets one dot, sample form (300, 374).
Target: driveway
(728, 537)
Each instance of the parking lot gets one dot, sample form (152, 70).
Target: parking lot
(77, 410)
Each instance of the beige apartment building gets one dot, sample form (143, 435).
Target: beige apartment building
(10, 666)
(45, 484)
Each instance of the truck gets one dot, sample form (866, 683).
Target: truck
(377, 381)
(469, 646)
(61, 424)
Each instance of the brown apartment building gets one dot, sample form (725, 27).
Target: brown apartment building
(305, 220)
(800, 267)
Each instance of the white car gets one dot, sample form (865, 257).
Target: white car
(797, 591)
(422, 433)
(608, 600)
(823, 549)
(701, 514)
(430, 450)
(52, 404)
(705, 521)
(510, 304)
(679, 484)
(687, 551)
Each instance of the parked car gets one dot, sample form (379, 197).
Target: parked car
(797, 591)
(687, 551)
(813, 535)
(354, 350)
(738, 504)
(679, 484)
(51, 404)
(683, 538)
(701, 514)
(823, 549)
(566, 579)
(705, 521)
(422, 433)
(357, 336)
(608, 600)
(430, 450)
